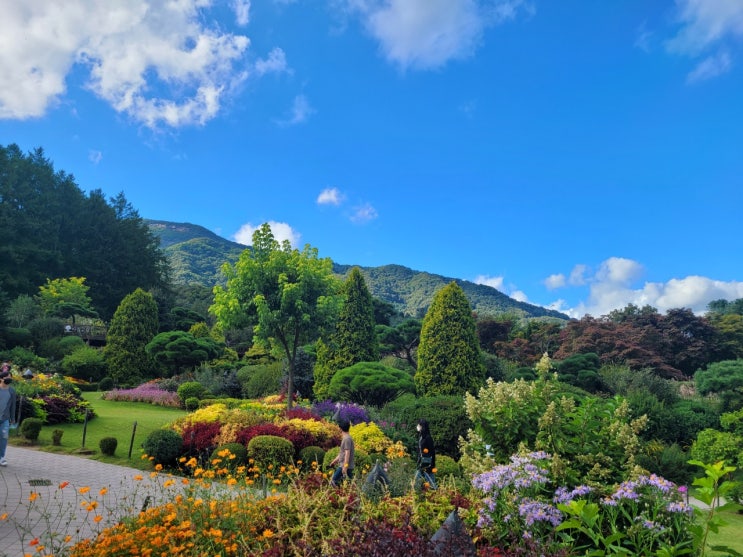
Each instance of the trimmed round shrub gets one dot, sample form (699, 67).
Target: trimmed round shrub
(192, 403)
(270, 449)
(164, 446)
(106, 384)
(30, 428)
(238, 455)
(447, 466)
(57, 437)
(191, 389)
(108, 445)
(370, 383)
(311, 454)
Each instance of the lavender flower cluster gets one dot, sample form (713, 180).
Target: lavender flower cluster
(354, 413)
(146, 392)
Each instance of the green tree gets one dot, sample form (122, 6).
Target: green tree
(370, 383)
(449, 360)
(50, 228)
(354, 339)
(22, 311)
(180, 350)
(66, 297)
(289, 296)
(134, 324)
(724, 378)
(402, 340)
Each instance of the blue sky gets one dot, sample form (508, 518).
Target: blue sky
(577, 155)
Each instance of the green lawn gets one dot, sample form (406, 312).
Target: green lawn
(730, 535)
(113, 419)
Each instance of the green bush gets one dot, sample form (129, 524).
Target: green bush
(260, 380)
(310, 455)
(447, 466)
(237, 450)
(668, 461)
(106, 384)
(401, 473)
(84, 362)
(30, 428)
(164, 446)
(370, 383)
(108, 445)
(191, 389)
(57, 437)
(192, 403)
(18, 337)
(270, 449)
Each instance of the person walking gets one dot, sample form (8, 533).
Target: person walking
(7, 412)
(345, 458)
(426, 456)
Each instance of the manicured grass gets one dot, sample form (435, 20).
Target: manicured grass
(113, 419)
(730, 535)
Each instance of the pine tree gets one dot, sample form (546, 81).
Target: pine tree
(449, 353)
(134, 324)
(354, 339)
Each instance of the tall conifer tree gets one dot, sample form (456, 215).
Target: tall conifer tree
(449, 353)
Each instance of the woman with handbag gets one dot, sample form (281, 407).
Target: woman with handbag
(426, 456)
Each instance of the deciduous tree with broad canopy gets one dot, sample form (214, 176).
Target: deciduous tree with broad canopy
(449, 353)
(288, 296)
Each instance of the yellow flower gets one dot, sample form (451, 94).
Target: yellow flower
(4, 516)
(138, 478)
(267, 533)
(33, 496)
(98, 518)
(103, 491)
(158, 467)
(84, 490)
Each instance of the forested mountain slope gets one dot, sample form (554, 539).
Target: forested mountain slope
(196, 255)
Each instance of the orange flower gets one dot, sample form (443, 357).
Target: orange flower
(63, 485)
(97, 519)
(33, 496)
(84, 490)
(33, 542)
(267, 533)
(4, 516)
(103, 491)
(425, 451)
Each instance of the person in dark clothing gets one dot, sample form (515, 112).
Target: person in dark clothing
(426, 456)
(7, 411)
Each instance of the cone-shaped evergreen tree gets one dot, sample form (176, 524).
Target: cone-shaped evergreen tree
(134, 324)
(354, 339)
(449, 352)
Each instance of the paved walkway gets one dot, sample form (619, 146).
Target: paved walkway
(43, 497)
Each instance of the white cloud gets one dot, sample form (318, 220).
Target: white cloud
(706, 22)
(519, 296)
(330, 196)
(578, 275)
(642, 39)
(618, 270)
(710, 67)
(242, 11)
(300, 111)
(424, 34)
(275, 63)
(281, 231)
(555, 281)
(156, 62)
(364, 213)
(493, 282)
(95, 156)
(615, 285)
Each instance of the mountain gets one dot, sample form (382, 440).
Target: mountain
(196, 255)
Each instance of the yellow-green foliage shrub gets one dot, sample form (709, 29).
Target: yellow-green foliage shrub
(369, 438)
(268, 450)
